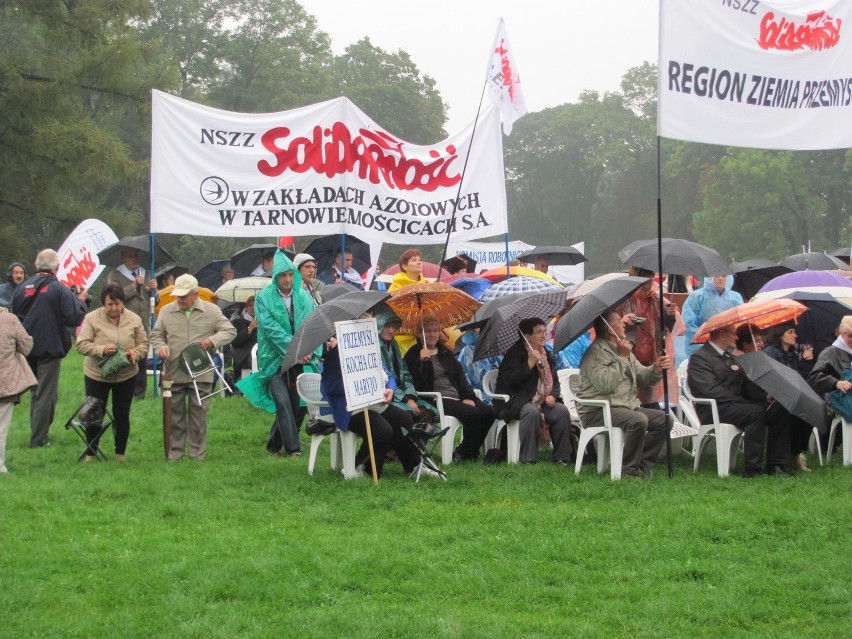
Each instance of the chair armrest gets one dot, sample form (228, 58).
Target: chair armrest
(439, 402)
(709, 402)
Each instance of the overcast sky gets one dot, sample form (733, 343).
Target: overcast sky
(561, 48)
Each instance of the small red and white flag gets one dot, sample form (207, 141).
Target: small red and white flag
(502, 81)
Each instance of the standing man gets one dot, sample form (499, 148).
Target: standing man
(130, 276)
(713, 373)
(609, 370)
(49, 310)
(335, 275)
(185, 321)
(280, 309)
(15, 274)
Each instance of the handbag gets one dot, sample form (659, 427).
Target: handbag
(116, 362)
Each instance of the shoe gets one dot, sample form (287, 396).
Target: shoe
(425, 471)
(751, 473)
(120, 458)
(89, 458)
(295, 453)
(360, 471)
(562, 462)
(459, 458)
(801, 463)
(780, 469)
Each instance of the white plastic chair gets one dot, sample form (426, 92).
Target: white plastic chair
(605, 436)
(447, 421)
(343, 442)
(564, 375)
(847, 440)
(513, 428)
(727, 436)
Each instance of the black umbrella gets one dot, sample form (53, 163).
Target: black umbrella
(111, 255)
(460, 263)
(210, 276)
(325, 249)
(487, 310)
(680, 257)
(501, 331)
(172, 271)
(556, 255)
(330, 291)
(817, 326)
(841, 254)
(751, 275)
(813, 262)
(580, 317)
(319, 325)
(247, 259)
(785, 385)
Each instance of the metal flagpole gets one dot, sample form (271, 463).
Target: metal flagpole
(151, 305)
(663, 310)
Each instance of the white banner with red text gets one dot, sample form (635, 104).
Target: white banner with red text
(79, 264)
(756, 73)
(320, 170)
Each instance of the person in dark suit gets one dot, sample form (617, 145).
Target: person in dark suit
(528, 375)
(713, 373)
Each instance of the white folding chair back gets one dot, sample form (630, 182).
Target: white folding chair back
(447, 421)
(196, 362)
(604, 437)
(727, 436)
(513, 428)
(564, 375)
(343, 443)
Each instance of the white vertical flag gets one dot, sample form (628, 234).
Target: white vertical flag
(502, 80)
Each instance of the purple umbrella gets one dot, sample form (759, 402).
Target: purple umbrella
(802, 279)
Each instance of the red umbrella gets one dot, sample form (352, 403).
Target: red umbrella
(762, 313)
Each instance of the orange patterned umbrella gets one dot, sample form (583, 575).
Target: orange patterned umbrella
(763, 314)
(449, 305)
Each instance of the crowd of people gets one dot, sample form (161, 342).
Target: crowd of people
(621, 360)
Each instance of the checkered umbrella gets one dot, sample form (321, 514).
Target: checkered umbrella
(501, 330)
(519, 284)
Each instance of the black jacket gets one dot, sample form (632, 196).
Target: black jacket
(826, 372)
(48, 309)
(516, 379)
(423, 373)
(710, 375)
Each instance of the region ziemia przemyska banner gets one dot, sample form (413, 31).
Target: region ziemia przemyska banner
(771, 75)
(320, 170)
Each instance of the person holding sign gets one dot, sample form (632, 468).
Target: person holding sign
(388, 423)
(434, 368)
(280, 309)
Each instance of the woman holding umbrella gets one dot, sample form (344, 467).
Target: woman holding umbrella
(781, 346)
(434, 368)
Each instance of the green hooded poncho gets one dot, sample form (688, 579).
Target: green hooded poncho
(274, 331)
(395, 365)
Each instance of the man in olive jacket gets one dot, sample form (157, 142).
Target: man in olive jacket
(610, 371)
(185, 321)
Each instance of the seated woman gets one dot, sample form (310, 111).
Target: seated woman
(388, 423)
(827, 374)
(104, 332)
(434, 368)
(246, 324)
(528, 375)
(781, 346)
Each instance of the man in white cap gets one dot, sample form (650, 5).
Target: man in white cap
(307, 266)
(185, 321)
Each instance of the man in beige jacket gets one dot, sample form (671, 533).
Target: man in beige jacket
(185, 321)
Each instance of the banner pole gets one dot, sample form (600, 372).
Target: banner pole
(370, 446)
(151, 305)
(663, 309)
(461, 181)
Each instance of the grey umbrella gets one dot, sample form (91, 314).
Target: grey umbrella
(680, 257)
(813, 262)
(582, 314)
(501, 331)
(556, 255)
(111, 255)
(785, 385)
(319, 326)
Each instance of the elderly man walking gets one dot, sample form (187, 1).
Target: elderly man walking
(609, 370)
(48, 310)
(185, 321)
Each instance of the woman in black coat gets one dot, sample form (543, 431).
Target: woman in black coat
(435, 368)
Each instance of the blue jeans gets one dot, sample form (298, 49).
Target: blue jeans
(284, 434)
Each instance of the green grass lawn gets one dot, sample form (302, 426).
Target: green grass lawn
(244, 544)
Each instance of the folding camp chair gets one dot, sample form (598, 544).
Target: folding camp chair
(197, 362)
(92, 411)
(425, 438)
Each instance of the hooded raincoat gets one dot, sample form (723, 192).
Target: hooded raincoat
(704, 303)
(400, 379)
(275, 332)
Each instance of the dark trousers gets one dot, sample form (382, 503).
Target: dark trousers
(764, 426)
(476, 422)
(284, 434)
(800, 435)
(122, 397)
(43, 400)
(386, 429)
